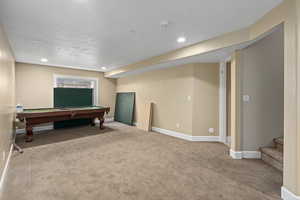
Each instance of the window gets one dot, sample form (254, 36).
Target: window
(63, 81)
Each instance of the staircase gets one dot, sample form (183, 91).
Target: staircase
(274, 155)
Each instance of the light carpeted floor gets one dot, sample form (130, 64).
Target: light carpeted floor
(124, 163)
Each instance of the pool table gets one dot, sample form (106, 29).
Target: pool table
(33, 117)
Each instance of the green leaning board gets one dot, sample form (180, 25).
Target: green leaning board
(72, 97)
(124, 109)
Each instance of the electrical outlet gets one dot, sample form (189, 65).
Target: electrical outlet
(189, 98)
(246, 98)
(211, 130)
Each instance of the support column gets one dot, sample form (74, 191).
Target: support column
(291, 171)
(235, 151)
(222, 103)
(297, 133)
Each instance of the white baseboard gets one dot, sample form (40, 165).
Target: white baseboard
(245, 154)
(206, 138)
(236, 154)
(288, 195)
(186, 136)
(252, 154)
(111, 119)
(36, 129)
(173, 133)
(4, 172)
(106, 120)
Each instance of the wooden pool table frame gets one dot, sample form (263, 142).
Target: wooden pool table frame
(33, 119)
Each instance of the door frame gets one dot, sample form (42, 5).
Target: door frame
(223, 102)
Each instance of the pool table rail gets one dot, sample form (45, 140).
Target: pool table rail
(34, 118)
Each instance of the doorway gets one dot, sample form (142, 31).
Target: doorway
(228, 103)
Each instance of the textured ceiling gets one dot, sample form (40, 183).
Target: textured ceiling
(91, 34)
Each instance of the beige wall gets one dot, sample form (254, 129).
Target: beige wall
(7, 95)
(34, 85)
(185, 95)
(168, 89)
(262, 76)
(206, 99)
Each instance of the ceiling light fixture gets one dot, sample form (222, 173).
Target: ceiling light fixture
(44, 60)
(181, 39)
(81, 1)
(132, 31)
(104, 68)
(164, 24)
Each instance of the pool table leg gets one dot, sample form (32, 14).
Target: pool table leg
(29, 133)
(101, 119)
(93, 122)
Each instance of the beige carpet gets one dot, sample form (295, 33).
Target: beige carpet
(123, 163)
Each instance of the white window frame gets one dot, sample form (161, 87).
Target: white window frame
(81, 78)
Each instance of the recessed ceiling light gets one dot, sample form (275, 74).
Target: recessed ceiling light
(81, 1)
(104, 68)
(132, 31)
(164, 24)
(44, 60)
(181, 39)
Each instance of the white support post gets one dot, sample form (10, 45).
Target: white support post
(222, 103)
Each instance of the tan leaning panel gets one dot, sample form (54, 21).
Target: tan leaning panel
(145, 122)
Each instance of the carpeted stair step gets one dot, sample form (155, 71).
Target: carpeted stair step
(279, 143)
(273, 157)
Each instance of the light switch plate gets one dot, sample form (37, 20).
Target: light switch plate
(246, 98)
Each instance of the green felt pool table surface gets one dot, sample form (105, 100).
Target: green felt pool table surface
(44, 110)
